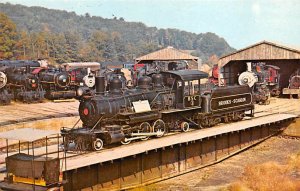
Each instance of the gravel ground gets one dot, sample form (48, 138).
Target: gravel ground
(221, 175)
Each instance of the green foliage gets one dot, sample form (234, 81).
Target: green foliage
(66, 37)
(7, 37)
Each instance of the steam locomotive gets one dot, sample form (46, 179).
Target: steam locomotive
(56, 82)
(264, 79)
(21, 63)
(214, 78)
(24, 85)
(294, 81)
(18, 82)
(161, 102)
(31, 81)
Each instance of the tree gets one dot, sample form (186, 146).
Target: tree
(213, 60)
(22, 46)
(8, 37)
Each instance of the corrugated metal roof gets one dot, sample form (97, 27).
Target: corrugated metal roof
(168, 53)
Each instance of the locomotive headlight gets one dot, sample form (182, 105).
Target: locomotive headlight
(86, 111)
(64, 80)
(33, 81)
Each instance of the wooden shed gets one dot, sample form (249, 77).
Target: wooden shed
(286, 58)
(167, 55)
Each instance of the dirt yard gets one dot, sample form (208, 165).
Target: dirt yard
(233, 173)
(226, 174)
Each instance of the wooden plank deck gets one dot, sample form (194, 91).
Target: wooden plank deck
(141, 147)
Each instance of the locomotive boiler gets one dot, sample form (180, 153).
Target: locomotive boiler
(56, 82)
(161, 102)
(24, 84)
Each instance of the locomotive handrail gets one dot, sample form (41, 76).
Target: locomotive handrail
(157, 96)
(75, 124)
(96, 123)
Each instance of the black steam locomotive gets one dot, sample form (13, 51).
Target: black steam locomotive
(162, 102)
(56, 82)
(24, 85)
(20, 63)
(31, 81)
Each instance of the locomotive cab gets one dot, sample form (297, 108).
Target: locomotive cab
(186, 84)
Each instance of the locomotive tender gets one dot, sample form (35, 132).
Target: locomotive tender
(162, 102)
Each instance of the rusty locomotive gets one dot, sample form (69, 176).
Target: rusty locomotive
(161, 102)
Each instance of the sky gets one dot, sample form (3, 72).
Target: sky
(240, 22)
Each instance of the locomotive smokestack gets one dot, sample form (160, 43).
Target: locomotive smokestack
(27, 68)
(249, 66)
(100, 84)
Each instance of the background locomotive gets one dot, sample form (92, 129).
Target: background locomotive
(214, 78)
(82, 77)
(163, 101)
(264, 79)
(56, 82)
(24, 85)
(22, 63)
(294, 81)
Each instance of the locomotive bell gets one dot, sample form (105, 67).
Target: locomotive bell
(115, 85)
(144, 82)
(157, 80)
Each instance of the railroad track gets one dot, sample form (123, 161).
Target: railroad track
(295, 137)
